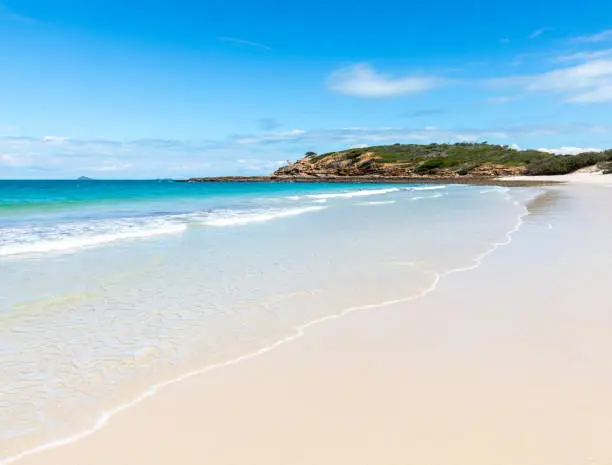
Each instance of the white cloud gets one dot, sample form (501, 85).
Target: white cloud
(539, 32)
(9, 160)
(57, 139)
(270, 137)
(362, 80)
(584, 56)
(599, 37)
(348, 137)
(589, 82)
(110, 168)
(570, 150)
(30, 157)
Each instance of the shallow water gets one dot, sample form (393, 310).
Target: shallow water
(109, 287)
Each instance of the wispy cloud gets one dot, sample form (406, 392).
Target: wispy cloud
(351, 137)
(599, 37)
(588, 82)
(270, 137)
(110, 167)
(583, 56)
(7, 14)
(570, 150)
(55, 139)
(11, 160)
(244, 154)
(538, 32)
(505, 40)
(362, 80)
(245, 42)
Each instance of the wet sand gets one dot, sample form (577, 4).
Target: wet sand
(504, 364)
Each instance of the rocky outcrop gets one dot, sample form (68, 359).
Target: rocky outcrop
(490, 169)
(337, 164)
(369, 164)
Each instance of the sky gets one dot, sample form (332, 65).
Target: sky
(125, 89)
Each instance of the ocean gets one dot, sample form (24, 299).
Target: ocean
(110, 289)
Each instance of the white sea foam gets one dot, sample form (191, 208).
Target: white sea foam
(381, 202)
(297, 333)
(346, 194)
(65, 237)
(496, 189)
(427, 188)
(68, 236)
(240, 217)
(424, 197)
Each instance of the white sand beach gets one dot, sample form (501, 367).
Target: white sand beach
(504, 364)
(583, 176)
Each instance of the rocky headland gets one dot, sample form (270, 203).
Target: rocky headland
(458, 163)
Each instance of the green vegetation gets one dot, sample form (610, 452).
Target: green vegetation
(465, 156)
(479, 159)
(460, 157)
(563, 164)
(431, 165)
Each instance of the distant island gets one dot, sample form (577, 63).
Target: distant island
(455, 162)
(84, 178)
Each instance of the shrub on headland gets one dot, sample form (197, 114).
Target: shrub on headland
(564, 164)
(430, 165)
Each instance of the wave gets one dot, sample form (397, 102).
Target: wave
(69, 236)
(380, 202)
(222, 218)
(427, 188)
(495, 189)
(63, 237)
(424, 197)
(346, 194)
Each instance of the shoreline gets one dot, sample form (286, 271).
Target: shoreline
(298, 333)
(523, 181)
(102, 424)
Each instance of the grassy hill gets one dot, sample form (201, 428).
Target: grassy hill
(460, 159)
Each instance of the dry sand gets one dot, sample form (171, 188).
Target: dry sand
(507, 364)
(582, 176)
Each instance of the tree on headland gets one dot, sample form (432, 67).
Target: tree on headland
(310, 154)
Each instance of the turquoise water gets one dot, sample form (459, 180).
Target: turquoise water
(44, 202)
(109, 287)
(42, 216)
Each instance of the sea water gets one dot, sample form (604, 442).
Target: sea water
(110, 287)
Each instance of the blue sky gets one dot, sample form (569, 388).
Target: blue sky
(140, 89)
